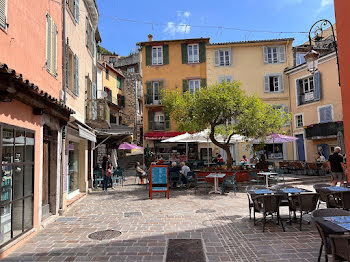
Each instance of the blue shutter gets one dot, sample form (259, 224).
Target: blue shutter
(76, 75)
(93, 42)
(76, 11)
(297, 85)
(317, 86)
(323, 149)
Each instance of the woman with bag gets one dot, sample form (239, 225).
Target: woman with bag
(107, 171)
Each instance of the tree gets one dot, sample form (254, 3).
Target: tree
(103, 51)
(225, 110)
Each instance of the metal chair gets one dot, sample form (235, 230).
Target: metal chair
(322, 195)
(267, 205)
(199, 181)
(229, 181)
(304, 203)
(324, 233)
(254, 177)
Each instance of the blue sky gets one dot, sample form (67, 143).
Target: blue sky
(174, 19)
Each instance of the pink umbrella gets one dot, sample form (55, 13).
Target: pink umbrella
(279, 139)
(126, 145)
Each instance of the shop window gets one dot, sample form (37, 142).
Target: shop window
(73, 167)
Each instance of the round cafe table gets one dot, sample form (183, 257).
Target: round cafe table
(216, 177)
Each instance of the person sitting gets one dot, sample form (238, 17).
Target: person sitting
(140, 173)
(254, 160)
(184, 171)
(215, 159)
(174, 169)
(262, 164)
(320, 158)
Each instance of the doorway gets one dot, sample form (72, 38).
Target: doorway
(45, 202)
(300, 147)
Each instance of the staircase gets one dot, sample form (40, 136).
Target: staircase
(129, 162)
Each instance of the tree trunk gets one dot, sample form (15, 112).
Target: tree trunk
(224, 146)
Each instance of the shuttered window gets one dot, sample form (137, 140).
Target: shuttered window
(157, 55)
(225, 79)
(325, 113)
(274, 54)
(223, 57)
(3, 14)
(193, 53)
(76, 75)
(273, 83)
(51, 45)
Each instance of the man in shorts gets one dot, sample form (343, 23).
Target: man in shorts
(337, 167)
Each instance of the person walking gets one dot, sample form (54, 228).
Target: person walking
(107, 172)
(337, 167)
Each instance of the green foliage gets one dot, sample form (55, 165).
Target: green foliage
(103, 50)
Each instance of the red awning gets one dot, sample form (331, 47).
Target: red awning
(161, 135)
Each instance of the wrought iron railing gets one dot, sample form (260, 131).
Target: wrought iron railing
(324, 129)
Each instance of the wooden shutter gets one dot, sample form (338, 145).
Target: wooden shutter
(148, 49)
(266, 58)
(3, 11)
(165, 54)
(123, 101)
(93, 42)
(184, 85)
(76, 75)
(317, 86)
(282, 53)
(201, 52)
(87, 31)
(203, 82)
(48, 42)
(119, 83)
(322, 113)
(280, 83)
(149, 95)
(54, 48)
(167, 120)
(297, 86)
(216, 58)
(160, 89)
(184, 54)
(267, 84)
(76, 11)
(150, 120)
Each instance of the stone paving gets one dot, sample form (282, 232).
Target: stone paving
(225, 229)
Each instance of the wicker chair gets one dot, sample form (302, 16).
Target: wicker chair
(324, 233)
(304, 203)
(340, 245)
(323, 196)
(250, 196)
(267, 205)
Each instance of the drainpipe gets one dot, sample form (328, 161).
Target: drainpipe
(64, 68)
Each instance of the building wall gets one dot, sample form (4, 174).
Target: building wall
(23, 46)
(172, 74)
(330, 95)
(76, 34)
(111, 83)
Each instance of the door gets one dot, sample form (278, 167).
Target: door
(300, 147)
(46, 180)
(323, 150)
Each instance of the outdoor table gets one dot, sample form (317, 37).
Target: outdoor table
(267, 174)
(335, 224)
(335, 189)
(216, 181)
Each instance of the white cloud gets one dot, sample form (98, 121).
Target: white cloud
(181, 26)
(324, 5)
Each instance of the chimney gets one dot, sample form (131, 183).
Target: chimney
(150, 37)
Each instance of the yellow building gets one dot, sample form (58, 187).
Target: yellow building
(316, 107)
(169, 64)
(259, 66)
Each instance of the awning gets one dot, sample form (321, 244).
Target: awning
(87, 134)
(160, 135)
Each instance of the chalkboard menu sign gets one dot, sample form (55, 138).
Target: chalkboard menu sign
(159, 180)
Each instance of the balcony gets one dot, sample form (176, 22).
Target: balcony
(306, 98)
(324, 130)
(157, 126)
(150, 102)
(97, 113)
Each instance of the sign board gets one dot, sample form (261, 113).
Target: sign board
(159, 180)
(309, 96)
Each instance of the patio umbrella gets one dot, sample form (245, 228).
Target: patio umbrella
(340, 141)
(126, 145)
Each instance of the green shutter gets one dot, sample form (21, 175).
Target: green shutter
(165, 54)
(119, 83)
(110, 96)
(123, 101)
(201, 52)
(149, 95)
(167, 120)
(148, 55)
(76, 75)
(203, 82)
(161, 89)
(184, 85)
(184, 53)
(150, 120)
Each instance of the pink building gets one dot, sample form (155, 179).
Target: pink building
(32, 118)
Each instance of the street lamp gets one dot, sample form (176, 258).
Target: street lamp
(312, 56)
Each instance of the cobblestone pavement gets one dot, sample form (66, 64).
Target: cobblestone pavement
(225, 229)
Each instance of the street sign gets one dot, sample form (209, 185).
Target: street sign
(159, 180)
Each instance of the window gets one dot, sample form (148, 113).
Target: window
(73, 7)
(325, 114)
(225, 78)
(112, 59)
(108, 93)
(107, 73)
(130, 70)
(222, 57)
(193, 53)
(299, 121)
(273, 83)
(308, 89)
(3, 14)
(194, 85)
(139, 107)
(73, 73)
(299, 58)
(90, 37)
(51, 45)
(274, 54)
(17, 187)
(157, 55)
(155, 92)
(159, 117)
(119, 83)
